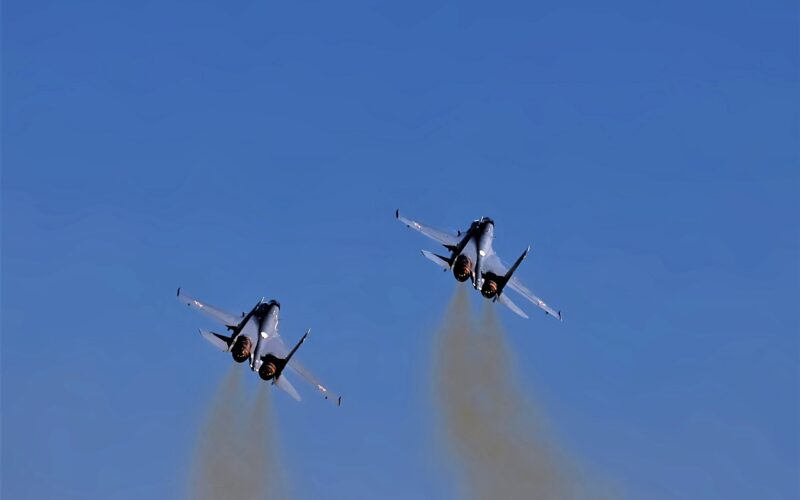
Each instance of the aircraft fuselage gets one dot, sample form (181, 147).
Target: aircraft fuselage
(484, 236)
(266, 319)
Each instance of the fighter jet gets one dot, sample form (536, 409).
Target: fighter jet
(253, 337)
(471, 257)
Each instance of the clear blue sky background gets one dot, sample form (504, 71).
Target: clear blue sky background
(647, 152)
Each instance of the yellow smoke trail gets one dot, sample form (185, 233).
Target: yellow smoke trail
(235, 456)
(216, 472)
(497, 434)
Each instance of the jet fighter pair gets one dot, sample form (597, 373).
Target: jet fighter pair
(254, 337)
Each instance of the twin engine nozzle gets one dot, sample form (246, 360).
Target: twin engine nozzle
(271, 367)
(462, 268)
(267, 370)
(241, 349)
(489, 289)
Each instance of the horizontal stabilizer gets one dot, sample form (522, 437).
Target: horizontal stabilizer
(437, 259)
(503, 299)
(287, 386)
(218, 340)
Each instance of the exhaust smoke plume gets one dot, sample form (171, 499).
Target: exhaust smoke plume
(496, 433)
(236, 457)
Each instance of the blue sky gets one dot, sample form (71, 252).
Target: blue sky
(648, 153)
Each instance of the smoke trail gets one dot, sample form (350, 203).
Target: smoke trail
(233, 455)
(215, 464)
(261, 450)
(498, 436)
(254, 447)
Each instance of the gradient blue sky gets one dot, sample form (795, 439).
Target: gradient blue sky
(649, 153)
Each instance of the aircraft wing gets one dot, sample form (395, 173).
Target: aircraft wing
(277, 347)
(223, 317)
(521, 289)
(301, 370)
(494, 265)
(444, 237)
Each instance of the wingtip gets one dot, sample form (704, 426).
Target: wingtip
(339, 401)
(178, 294)
(397, 214)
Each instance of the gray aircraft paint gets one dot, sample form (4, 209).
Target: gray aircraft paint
(261, 326)
(267, 321)
(476, 243)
